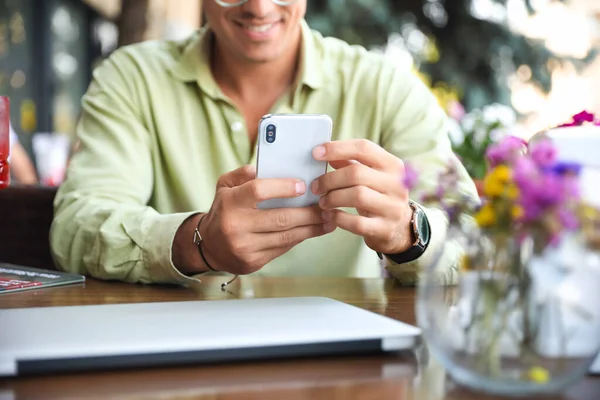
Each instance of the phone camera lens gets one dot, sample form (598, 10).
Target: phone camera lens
(271, 133)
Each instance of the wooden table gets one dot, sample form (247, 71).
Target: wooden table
(402, 377)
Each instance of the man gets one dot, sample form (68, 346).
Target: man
(167, 143)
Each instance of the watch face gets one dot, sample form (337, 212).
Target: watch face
(422, 226)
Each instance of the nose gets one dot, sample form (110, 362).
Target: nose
(259, 8)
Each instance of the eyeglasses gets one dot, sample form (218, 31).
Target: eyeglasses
(235, 3)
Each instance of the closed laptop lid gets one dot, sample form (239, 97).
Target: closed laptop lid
(48, 339)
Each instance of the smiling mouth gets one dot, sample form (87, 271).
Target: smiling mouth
(257, 28)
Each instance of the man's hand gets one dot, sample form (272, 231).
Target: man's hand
(369, 179)
(238, 237)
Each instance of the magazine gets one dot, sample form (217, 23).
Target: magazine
(14, 278)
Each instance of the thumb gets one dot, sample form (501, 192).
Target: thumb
(237, 177)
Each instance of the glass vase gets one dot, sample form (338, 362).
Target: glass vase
(522, 319)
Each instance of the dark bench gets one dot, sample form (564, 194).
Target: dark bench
(25, 217)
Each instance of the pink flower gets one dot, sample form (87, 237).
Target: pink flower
(525, 172)
(568, 219)
(456, 111)
(507, 151)
(546, 187)
(544, 153)
(582, 117)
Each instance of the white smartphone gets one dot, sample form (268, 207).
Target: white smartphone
(285, 145)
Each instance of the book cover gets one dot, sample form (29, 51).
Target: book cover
(14, 278)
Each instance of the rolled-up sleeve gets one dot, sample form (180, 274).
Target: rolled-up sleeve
(102, 225)
(415, 130)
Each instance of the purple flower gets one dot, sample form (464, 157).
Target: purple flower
(568, 219)
(543, 191)
(525, 172)
(544, 153)
(531, 210)
(538, 192)
(571, 187)
(410, 178)
(564, 168)
(549, 191)
(440, 191)
(506, 151)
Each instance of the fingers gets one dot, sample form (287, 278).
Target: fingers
(339, 164)
(362, 198)
(283, 219)
(357, 224)
(262, 258)
(361, 150)
(237, 177)
(251, 193)
(292, 237)
(357, 175)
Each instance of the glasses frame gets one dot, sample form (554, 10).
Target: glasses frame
(283, 3)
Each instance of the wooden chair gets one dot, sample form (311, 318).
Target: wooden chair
(25, 216)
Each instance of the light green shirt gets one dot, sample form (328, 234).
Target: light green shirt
(156, 132)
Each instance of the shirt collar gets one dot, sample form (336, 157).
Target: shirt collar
(193, 62)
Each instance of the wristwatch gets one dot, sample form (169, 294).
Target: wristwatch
(421, 233)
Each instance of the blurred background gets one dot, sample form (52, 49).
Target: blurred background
(496, 66)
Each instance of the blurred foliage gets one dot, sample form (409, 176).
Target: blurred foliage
(453, 50)
(471, 134)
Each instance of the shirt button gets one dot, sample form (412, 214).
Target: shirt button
(237, 126)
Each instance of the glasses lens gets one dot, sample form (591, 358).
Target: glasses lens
(235, 3)
(230, 3)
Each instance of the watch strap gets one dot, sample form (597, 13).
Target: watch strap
(416, 250)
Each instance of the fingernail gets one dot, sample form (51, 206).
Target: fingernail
(300, 187)
(326, 215)
(329, 227)
(319, 152)
(315, 187)
(322, 202)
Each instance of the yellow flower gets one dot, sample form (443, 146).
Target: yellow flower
(486, 215)
(432, 54)
(539, 374)
(502, 173)
(517, 211)
(513, 192)
(492, 188)
(496, 182)
(426, 79)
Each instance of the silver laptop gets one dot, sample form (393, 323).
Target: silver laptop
(74, 338)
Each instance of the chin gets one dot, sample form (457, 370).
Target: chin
(263, 56)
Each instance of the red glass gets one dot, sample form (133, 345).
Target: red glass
(4, 141)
